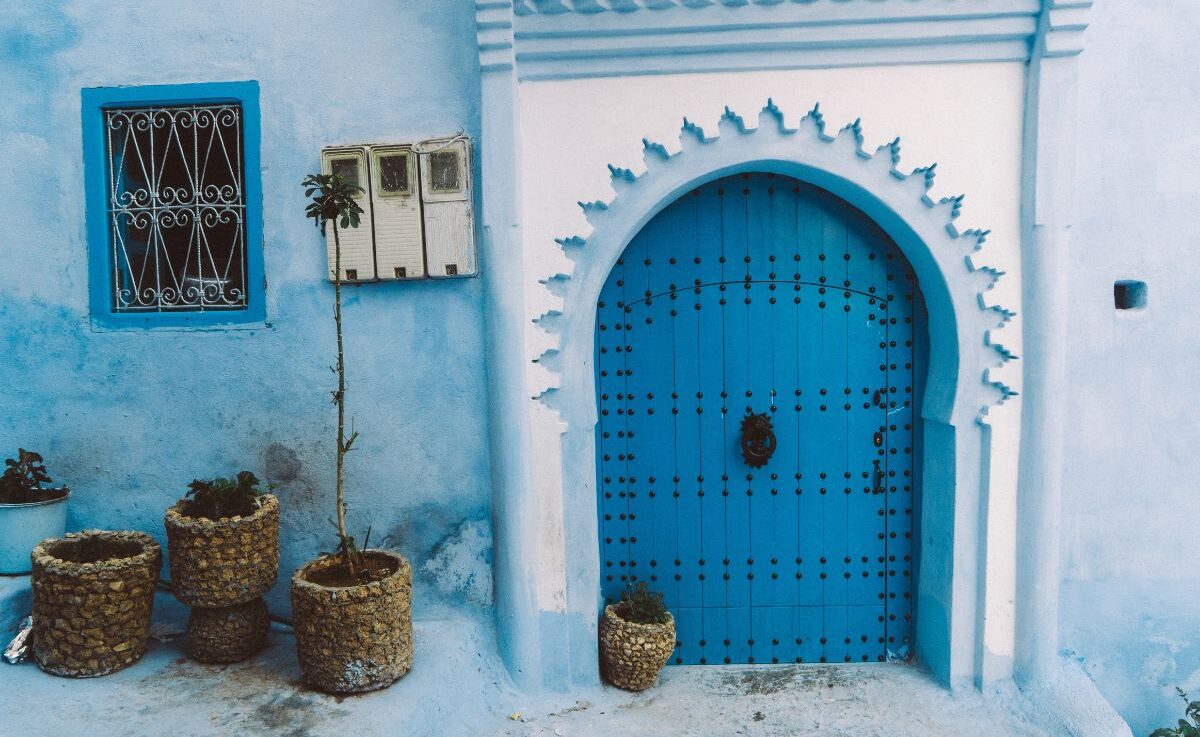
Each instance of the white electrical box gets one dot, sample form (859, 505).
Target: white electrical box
(396, 201)
(358, 244)
(447, 202)
(417, 220)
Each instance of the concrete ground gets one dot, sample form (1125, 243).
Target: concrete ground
(457, 687)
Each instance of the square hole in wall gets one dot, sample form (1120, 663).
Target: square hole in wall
(1129, 294)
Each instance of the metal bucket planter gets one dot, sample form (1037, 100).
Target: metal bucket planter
(354, 638)
(93, 593)
(632, 654)
(221, 568)
(23, 526)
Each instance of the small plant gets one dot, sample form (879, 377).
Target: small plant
(22, 480)
(640, 605)
(332, 202)
(222, 497)
(1184, 729)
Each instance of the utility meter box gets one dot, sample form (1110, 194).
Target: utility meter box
(358, 244)
(447, 203)
(396, 202)
(417, 220)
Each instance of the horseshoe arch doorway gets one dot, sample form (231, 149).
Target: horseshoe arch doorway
(760, 296)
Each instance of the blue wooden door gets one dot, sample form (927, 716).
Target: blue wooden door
(759, 294)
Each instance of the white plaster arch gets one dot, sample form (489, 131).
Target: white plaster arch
(962, 350)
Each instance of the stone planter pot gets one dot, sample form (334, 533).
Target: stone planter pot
(93, 593)
(353, 638)
(631, 654)
(220, 563)
(23, 526)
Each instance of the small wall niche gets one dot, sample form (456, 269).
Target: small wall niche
(1129, 294)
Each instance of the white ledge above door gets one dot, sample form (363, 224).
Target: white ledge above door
(568, 39)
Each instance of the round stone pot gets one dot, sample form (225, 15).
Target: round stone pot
(228, 634)
(93, 593)
(24, 525)
(631, 654)
(351, 639)
(223, 562)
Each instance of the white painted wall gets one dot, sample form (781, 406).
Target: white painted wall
(967, 118)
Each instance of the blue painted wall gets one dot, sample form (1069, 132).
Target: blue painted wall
(1131, 594)
(129, 417)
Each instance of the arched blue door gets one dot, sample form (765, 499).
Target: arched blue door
(758, 294)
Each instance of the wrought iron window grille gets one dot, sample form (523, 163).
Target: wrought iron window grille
(176, 207)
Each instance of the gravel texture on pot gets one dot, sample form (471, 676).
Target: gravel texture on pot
(228, 634)
(219, 563)
(631, 654)
(91, 612)
(354, 638)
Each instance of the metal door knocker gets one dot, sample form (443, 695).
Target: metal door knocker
(758, 439)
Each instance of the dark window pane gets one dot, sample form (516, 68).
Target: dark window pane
(393, 173)
(346, 169)
(445, 171)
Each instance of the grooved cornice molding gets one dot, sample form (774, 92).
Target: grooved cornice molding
(564, 39)
(494, 34)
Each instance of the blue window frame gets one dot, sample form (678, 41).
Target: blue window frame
(174, 205)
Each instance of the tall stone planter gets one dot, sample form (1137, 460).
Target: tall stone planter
(93, 594)
(632, 654)
(357, 638)
(221, 568)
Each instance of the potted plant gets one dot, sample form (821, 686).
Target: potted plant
(1184, 728)
(223, 552)
(351, 609)
(29, 511)
(93, 593)
(637, 635)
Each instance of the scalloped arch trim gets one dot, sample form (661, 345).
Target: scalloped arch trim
(960, 380)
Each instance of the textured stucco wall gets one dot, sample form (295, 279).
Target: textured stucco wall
(1131, 595)
(129, 417)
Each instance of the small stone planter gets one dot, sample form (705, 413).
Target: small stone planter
(93, 593)
(351, 639)
(631, 654)
(223, 562)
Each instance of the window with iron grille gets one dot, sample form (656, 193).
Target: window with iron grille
(179, 214)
